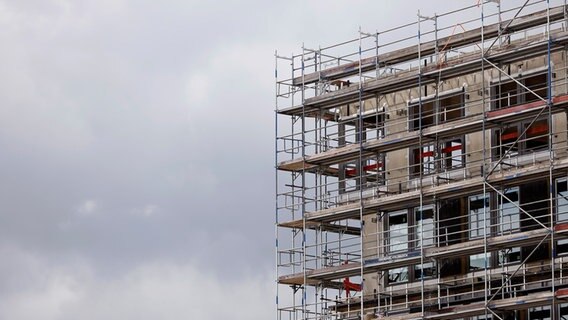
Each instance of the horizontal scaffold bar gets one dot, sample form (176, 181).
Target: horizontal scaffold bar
(322, 226)
(407, 139)
(472, 247)
(411, 53)
(389, 202)
(465, 64)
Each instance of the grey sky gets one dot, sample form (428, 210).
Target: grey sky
(136, 156)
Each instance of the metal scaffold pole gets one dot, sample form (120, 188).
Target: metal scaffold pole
(360, 168)
(276, 263)
(420, 137)
(303, 187)
(551, 162)
(415, 173)
(484, 162)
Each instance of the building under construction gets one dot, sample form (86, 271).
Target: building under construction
(422, 171)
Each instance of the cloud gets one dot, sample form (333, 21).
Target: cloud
(198, 90)
(87, 208)
(146, 211)
(153, 290)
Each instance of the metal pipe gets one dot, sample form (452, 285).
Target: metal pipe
(551, 161)
(303, 191)
(507, 26)
(361, 169)
(276, 178)
(421, 163)
(483, 167)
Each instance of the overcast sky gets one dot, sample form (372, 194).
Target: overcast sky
(136, 151)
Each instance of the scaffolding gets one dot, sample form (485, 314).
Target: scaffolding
(422, 171)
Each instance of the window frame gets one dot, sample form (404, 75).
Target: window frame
(413, 272)
(437, 160)
(558, 212)
(479, 215)
(515, 224)
(521, 147)
(520, 92)
(438, 110)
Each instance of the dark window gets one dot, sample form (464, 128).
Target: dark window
(563, 308)
(539, 313)
(398, 275)
(373, 170)
(536, 135)
(509, 93)
(535, 201)
(505, 140)
(427, 272)
(436, 111)
(509, 255)
(535, 138)
(562, 247)
(537, 84)
(432, 158)
(423, 160)
(427, 115)
(505, 95)
(452, 154)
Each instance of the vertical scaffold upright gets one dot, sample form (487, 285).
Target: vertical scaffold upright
(422, 171)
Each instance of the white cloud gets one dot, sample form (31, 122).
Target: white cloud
(198, 91)
(169, 291)
(88, 207)
(146, 211)
(161, 290)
